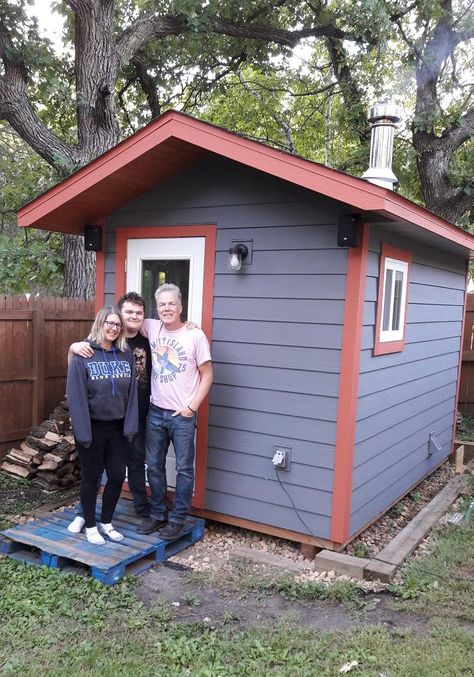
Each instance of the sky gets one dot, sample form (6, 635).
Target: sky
(50, 23)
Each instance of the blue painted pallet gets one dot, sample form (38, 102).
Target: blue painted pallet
(46, 541)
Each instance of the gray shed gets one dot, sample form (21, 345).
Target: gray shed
(340, 363)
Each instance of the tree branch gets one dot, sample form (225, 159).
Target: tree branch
(290, 144)
(148, 85)
(16, 108)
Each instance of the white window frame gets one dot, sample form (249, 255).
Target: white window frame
(389, 297)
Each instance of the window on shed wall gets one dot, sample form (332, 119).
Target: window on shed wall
(392, 300)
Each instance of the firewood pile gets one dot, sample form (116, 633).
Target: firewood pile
(48, 456)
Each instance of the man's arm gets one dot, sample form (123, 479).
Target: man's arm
(81, 348)
(206, 373)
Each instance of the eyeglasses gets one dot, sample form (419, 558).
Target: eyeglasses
(113, 325)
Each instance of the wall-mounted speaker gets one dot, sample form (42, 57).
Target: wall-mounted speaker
(348, 230)
(92, 238)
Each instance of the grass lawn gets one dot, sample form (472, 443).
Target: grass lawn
(65, 625)
(442, 583)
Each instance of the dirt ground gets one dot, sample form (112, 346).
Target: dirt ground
(170, 585)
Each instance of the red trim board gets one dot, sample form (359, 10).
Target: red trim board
(209, 233)
(46, 211)
(348, 388)
(386, 347)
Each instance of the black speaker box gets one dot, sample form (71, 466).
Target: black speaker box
(348, 230)
(92, 238)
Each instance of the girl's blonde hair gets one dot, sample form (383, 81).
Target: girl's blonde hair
(97, 333)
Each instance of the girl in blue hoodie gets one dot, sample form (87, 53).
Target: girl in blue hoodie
(102, 395)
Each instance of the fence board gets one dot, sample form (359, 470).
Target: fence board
(466, 388)
(35, 334)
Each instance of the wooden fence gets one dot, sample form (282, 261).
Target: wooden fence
(466, 389)
(34, 337)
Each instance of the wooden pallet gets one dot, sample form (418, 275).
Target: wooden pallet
(47, 542)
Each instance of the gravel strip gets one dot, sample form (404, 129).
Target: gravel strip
(212, 553)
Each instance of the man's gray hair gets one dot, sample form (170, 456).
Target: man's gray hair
(171, 288)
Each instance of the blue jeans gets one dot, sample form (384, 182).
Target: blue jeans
(162, 428)
(136, 472)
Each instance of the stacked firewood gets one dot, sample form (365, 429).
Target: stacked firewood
(48, 456)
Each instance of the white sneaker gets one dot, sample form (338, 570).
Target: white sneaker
(77, 525)
(94, 537)
(110, 532)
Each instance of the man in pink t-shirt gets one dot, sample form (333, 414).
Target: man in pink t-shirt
(181, 378)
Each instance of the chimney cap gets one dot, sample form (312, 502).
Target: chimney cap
(384, 110)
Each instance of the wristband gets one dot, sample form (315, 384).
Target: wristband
(191, 409)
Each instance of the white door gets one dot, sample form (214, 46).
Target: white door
(152, 262)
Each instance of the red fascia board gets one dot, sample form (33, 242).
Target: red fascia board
(337, 185)
(404, 210)
(104, 166)
(358, 193)
(305, 173)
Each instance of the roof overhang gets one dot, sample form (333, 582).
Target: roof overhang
(174, 141)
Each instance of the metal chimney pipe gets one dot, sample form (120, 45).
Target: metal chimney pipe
(383, 118)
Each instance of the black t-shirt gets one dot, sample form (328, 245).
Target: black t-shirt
(140, 348)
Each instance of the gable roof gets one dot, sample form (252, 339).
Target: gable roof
(172, 142)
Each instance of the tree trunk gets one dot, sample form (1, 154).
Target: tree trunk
(79, 273)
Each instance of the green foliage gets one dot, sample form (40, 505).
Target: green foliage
(30, 261)
(31, 264)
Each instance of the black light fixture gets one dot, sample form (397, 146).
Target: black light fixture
(348, 230)
(237, 254)
(92, 238)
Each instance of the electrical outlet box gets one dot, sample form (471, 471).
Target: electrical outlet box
(281, 457)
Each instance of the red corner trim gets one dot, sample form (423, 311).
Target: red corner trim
(386, 347)
(348, 388)
(209, 233)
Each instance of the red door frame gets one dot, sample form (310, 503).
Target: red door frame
(209, 233)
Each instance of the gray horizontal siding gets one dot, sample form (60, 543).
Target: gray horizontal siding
(277, 332)
(282, 288)
(405, 396)
(392, 437)
(384, 461)
(393, 483)
(275, 401)
(286, 333)
(281, 238)
(322, 360)
(267, 513)
(271, 377)
(267, 489)
(309, 430)
(394, 396)
(320, 311)
(381, 380)
(319, 456)
(417, 313)
(260, 466)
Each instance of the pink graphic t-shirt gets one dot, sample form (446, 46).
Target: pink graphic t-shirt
(176, 357)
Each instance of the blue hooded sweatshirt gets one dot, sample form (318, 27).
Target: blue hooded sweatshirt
(102, 387)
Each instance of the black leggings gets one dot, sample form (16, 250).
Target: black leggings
(108, 450)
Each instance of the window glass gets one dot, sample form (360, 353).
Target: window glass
(394, 300)
(388, 296)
